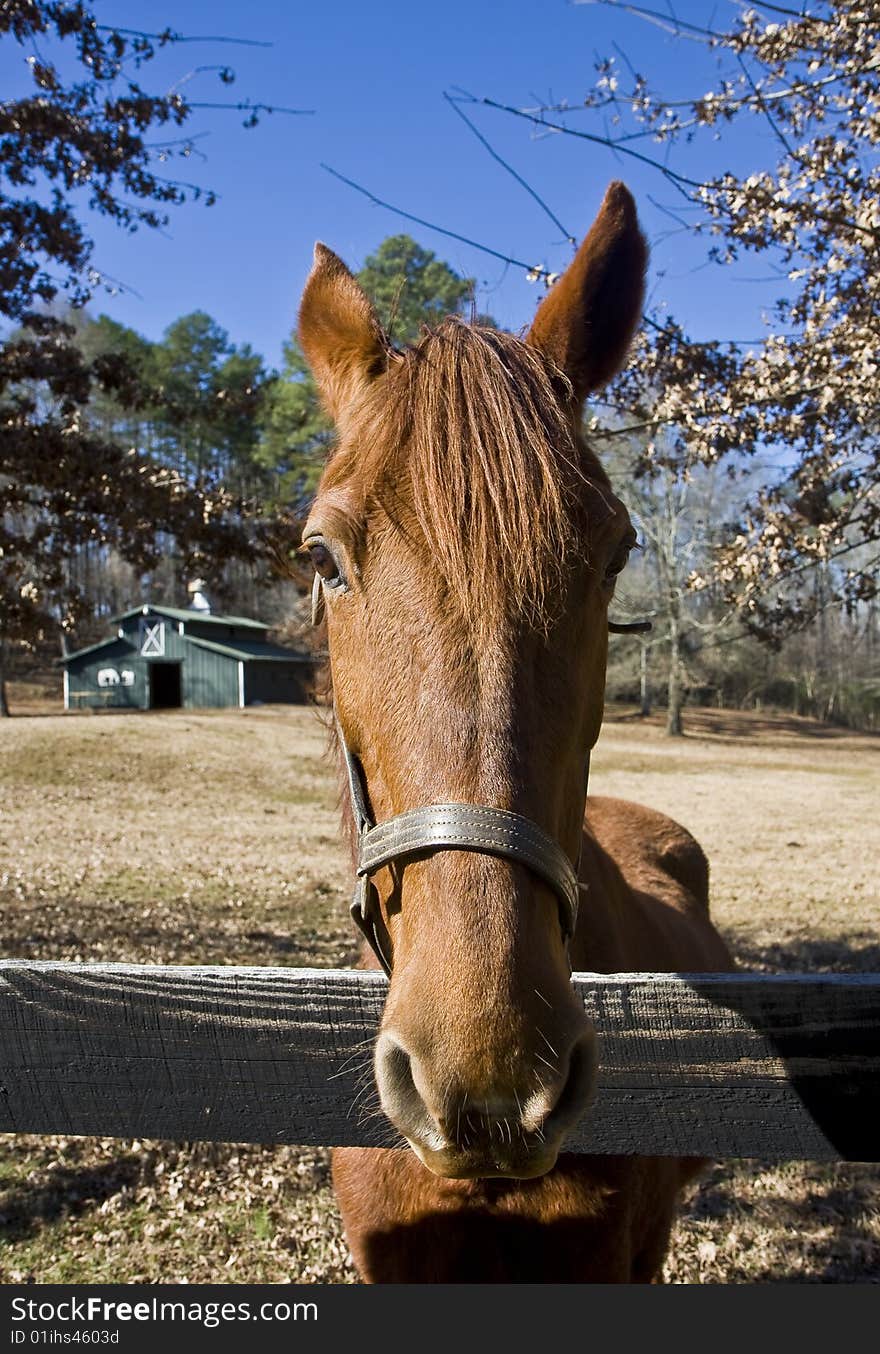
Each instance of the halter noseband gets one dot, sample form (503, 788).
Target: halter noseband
(449, 827)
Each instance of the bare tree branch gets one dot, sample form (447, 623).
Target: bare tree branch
(533, 269)
(455, 106)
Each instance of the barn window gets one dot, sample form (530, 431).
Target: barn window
(152, 635)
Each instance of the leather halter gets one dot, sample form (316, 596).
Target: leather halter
(449, 827)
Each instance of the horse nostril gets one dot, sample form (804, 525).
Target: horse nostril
(398, 1094)
(393, 1073)
(578, 1088)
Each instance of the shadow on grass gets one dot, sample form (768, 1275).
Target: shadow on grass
(831, 1218)
(333, 949)
(857, 953)
(705, 723)
(100, 932)
(67, 1192)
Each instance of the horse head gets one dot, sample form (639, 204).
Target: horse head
(467, 543)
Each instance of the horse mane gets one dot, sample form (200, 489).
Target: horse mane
(471, 429)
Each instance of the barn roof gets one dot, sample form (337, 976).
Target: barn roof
(244, 650)
(180, 614)
(113, 641)
(248, 650)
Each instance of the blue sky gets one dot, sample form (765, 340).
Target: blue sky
(375, 76)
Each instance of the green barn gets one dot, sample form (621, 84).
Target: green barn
(162, 657)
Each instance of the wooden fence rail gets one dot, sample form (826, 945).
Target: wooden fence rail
(725, 1066)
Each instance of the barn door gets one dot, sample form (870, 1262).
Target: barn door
(165, 686)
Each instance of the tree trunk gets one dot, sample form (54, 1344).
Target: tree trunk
(675, 696)
(4, 703)
(644, 688)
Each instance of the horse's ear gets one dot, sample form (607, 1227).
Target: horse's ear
(586, 322)
(339, 332)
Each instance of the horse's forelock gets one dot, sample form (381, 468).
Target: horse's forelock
(471, 429)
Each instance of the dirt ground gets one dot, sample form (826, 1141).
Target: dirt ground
(212, 837)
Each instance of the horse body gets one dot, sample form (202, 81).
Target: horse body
(467, 543)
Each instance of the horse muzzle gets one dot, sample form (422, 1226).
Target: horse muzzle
(477, 1134)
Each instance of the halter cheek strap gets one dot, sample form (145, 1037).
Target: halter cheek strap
(449, 827)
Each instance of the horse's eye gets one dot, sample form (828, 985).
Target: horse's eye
(324, 563)
(618, 562)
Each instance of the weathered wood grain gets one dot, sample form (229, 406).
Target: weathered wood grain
(728, 1066)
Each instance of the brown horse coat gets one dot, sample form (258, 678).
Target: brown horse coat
(467, 542)
(591, 1219)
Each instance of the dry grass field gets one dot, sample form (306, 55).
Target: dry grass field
(212, 838)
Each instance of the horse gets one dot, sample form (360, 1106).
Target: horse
(466, 542)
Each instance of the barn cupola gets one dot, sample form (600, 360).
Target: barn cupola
(197, 599)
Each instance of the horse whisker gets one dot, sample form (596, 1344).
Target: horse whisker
(362, 1092)
(549, 1045)
(346, 1067)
